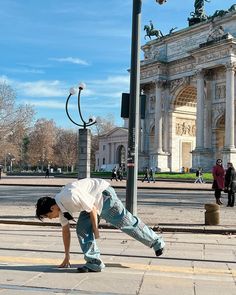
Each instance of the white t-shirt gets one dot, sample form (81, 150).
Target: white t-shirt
(81, 195)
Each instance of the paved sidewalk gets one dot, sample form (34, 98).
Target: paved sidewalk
(192, 264)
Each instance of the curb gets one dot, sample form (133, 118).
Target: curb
(162, 229)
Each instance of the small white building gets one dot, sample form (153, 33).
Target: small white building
(112, 149)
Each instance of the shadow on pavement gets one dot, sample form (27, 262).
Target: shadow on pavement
(52, 268)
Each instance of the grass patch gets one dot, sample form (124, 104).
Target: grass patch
(182, 176)
(160, 175)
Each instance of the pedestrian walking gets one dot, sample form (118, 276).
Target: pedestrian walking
(94, 199)
(47, 173)
(0, 172)
(199, 176)
(218, 173)
(146, 175)
(114, 174)
(152, 175)
(120, 173)
(230, 184)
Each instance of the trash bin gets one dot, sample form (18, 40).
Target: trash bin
(212, 214)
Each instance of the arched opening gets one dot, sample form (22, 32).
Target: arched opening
(183, 127)
(186, 99)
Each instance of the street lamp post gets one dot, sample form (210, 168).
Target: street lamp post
(133, 132)
(84, 150)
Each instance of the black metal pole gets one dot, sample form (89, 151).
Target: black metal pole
(133, 132)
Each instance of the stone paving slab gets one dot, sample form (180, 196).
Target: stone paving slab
(28, 265)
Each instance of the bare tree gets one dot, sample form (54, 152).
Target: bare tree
(14, 122)
(104, 125)
(65, 149)
(41, 142)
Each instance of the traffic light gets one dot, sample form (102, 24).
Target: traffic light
(125, 105)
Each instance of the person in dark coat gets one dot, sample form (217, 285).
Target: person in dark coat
(218, 173)
(120, 173)
(146, 175)
(230, 183)
(152, 176)
(47, 173)
(114, 174)
(199, 176)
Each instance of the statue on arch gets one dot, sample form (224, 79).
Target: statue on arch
(199, 14)
(150, 31)
(199, 8)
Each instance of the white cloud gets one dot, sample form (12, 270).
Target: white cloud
(41, 88)
(97, 94)
(5, 79)
(73, 60)
(111, 87)
(60, 105)
(24, 71)
(49, 104)
(113, 81)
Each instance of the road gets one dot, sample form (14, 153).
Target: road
(161, 207)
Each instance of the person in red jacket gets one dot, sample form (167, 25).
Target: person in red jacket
(218, 173)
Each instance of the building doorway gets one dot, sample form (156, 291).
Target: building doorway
(121, 156)
(186, 155)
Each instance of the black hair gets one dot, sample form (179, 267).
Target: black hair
(43, 206)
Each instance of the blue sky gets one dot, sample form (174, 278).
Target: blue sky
(47, 46)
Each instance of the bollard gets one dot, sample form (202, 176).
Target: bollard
(212, 214)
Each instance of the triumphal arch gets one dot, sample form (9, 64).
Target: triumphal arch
(188, 77)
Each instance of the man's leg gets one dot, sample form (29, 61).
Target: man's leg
(114, 212)
(232, 200)
(229, 198)
(88, 243)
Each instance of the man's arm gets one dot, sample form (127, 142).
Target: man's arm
(66, 242)
(94, 221)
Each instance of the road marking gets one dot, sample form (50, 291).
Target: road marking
(8, 260)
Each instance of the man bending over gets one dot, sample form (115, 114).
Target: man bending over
(93, 198)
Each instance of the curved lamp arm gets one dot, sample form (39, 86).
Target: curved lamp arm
(67, 101)
(91, 121)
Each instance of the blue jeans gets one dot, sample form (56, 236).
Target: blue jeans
(114, 212)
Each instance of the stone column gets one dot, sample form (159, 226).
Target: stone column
(208, 115)
(200, 110)
(112, 153)
(158, 118)
(84, 153)
(109, 153)
(158, 159)
(229, 113)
